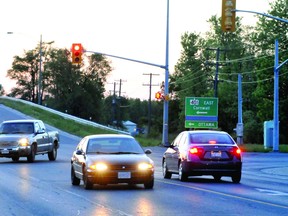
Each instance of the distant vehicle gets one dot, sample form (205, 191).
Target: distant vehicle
(111, 159)
(203, 152)
(27, 138)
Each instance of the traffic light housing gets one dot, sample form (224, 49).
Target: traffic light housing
(228, 15)
(77, 51)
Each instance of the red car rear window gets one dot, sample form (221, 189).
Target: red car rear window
(207, 138)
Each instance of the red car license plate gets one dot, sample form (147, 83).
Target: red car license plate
(216, 154)
(124, 175)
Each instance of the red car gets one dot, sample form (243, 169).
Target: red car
(203, 152)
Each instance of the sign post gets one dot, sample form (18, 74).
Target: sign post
(201, 112)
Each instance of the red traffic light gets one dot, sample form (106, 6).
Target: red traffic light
(77, 51)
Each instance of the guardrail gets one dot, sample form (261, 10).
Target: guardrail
(68, 116)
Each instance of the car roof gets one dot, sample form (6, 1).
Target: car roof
(108, 136)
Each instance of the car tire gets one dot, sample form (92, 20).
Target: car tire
(149, 185)
(236, 178)
(181, 174)
(74, 179)
(31, 157)
(15, 158)
(87, 183)
(53, 154)
(166, 173)
(217, 178)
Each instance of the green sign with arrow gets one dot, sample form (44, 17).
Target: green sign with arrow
(201, 112)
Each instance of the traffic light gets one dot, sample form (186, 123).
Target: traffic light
(228, 15)
(158, 95)
(77, 51)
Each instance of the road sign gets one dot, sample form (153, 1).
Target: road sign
(201, 112)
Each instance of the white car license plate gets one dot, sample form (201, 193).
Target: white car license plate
(5, 151)
(216, 154)
(124, 175)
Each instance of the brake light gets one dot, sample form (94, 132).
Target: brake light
(212, 141)
(196, 151)
(193, 151)
(235, 151)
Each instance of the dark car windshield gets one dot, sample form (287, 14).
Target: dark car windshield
(114, 146)
(14, 128)
(210, 138)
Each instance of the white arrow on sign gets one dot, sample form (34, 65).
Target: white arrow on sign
(198, 112)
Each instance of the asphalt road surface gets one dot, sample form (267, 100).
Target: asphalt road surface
(44, 188)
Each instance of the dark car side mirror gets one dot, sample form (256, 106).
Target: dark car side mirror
(79, 152)
(148, 151)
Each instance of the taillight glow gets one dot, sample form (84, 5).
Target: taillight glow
(193, 150)
(212, 141)
(238, 151)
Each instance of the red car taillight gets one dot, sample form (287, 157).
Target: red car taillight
(235, 151)
(196, 151)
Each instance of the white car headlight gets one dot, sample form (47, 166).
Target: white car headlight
(98, 166)
(145, 166)
(23, 142)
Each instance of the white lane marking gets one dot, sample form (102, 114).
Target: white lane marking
(272, 192)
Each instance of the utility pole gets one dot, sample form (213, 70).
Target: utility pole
(149, 105)
(218, 50)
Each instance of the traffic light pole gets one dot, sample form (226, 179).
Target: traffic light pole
(276, 82)
(165, 140)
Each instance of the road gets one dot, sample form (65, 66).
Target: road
(44, 188)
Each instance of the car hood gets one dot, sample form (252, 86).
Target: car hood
(118, 158)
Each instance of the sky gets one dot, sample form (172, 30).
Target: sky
(134, 29)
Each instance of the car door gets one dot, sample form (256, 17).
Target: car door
(173, 154)
(79, 158)
(41, 137)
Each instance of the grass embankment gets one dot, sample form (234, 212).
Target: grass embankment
(66, 125)
(82, 130)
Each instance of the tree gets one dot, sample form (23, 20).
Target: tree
(26, 71)
(267, 31)
(2, 92)
(77, 89)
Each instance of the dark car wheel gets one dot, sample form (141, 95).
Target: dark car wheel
(149, 185)
(87, 183)
(217, 178)
(53, 154)
(166, 173)
(31, 157)
(74, 179)
(182, 175)
(15, 158)
(236, 178)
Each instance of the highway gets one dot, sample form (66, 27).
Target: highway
(44, 188)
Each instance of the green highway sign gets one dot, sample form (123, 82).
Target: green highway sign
(201, 112)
